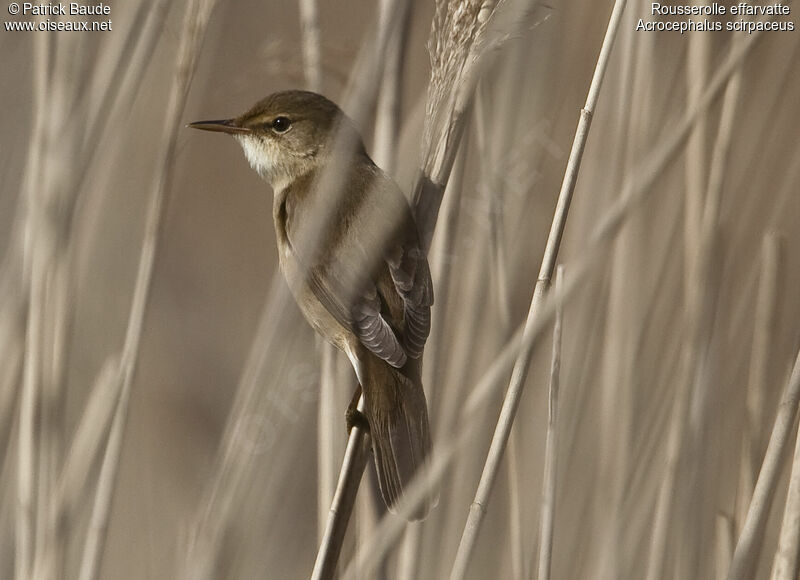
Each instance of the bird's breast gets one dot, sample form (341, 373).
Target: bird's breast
(313, 310)
(296, 277)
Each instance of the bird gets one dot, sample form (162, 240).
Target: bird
(350, 251)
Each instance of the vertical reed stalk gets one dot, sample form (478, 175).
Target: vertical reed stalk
(514, 393)
(27, 459)
(327, 417)
(723, 545)
(198, 13)
(364, 85)
(356, 457)
(328, 424)
(311, 43)
(547, 517)
(701, 308)
(692, 384)
(763, 325)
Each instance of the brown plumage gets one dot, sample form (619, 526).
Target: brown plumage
(350, 252)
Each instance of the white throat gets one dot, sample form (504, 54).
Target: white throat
(264, 157)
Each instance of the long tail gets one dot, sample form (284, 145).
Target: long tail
(398, 420)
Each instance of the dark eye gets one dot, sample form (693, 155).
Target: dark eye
(281, 124)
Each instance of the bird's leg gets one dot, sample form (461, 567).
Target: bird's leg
(353, 417)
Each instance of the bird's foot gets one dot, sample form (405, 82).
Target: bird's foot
(353, 417)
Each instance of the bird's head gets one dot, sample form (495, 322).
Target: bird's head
(287, 134)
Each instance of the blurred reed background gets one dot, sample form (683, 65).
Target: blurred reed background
(165, 411)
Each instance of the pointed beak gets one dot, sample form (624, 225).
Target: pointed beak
(223, 126)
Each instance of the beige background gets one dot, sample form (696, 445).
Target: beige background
(624, 330)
